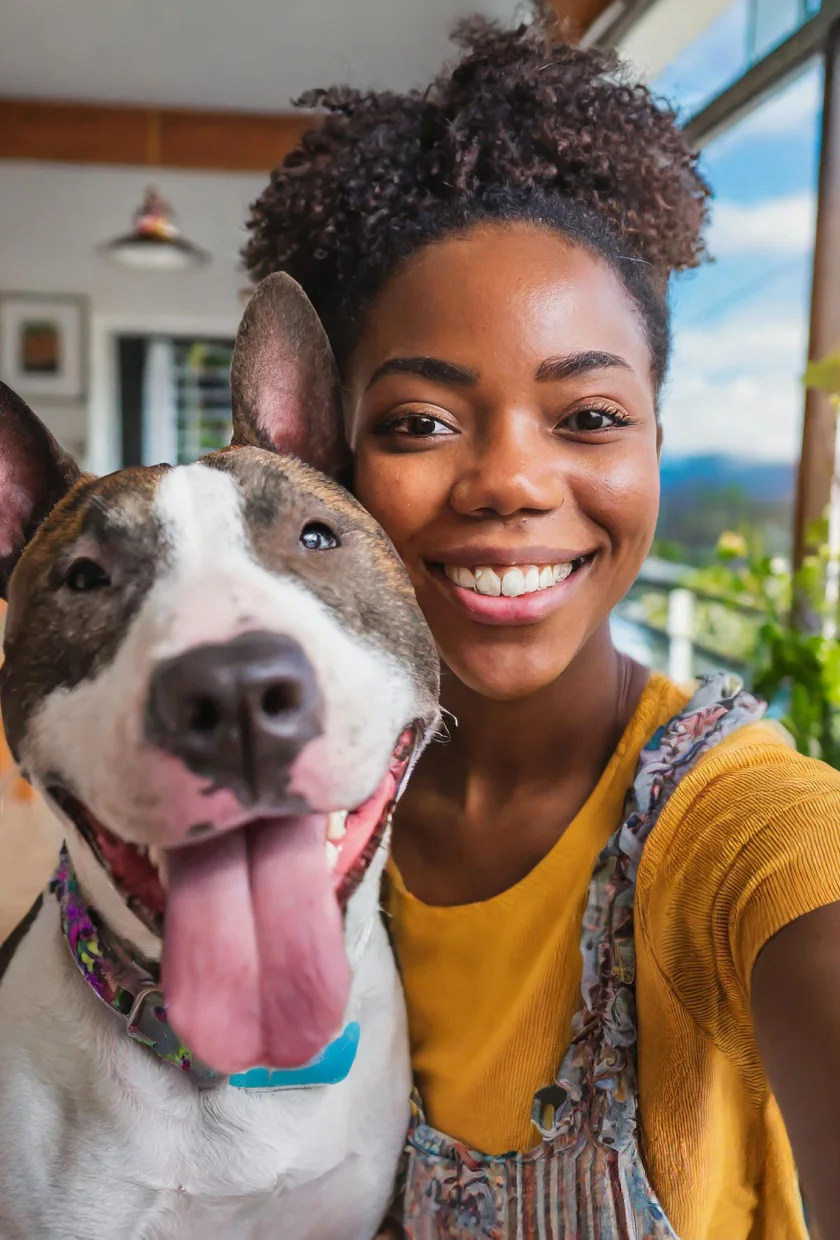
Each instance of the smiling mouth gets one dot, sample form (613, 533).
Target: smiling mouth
(139, 872)
(511, 581)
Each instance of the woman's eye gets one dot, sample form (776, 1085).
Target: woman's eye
(318, 537)
(417, 426)
(84, 574)
(588, 420)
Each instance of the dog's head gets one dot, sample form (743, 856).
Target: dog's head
(216, 673)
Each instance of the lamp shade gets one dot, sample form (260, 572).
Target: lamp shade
(155, 242)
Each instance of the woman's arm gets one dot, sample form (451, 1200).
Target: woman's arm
(796, 1009)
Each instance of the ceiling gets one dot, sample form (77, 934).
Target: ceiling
(248, 55)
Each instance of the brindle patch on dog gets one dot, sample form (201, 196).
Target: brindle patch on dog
(56, 636)
(295, 495)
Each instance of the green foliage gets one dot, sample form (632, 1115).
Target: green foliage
(791, 664)
(824, 375)
(792, 667)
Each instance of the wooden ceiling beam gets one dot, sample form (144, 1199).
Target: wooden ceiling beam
(581, 13)
(85, 133)
(102, 133)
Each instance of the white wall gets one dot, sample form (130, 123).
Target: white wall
(52, 218)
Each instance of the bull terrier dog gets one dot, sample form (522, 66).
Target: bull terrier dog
(218, 677)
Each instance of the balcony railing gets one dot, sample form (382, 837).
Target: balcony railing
(670, 640)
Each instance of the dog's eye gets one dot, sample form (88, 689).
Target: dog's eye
(318, 537)
(86, 575)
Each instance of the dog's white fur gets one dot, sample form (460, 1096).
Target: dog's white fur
(210, 589)
(100, 1140)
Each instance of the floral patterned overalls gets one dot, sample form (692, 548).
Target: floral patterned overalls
(585, 1180)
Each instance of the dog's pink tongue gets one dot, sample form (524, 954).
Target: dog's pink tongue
(254, 970)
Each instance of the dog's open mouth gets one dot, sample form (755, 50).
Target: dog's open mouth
(253, 968)
(351, 839)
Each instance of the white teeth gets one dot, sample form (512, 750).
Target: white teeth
(510, 582)
(532, 580)
(461, 576)
(332, 855)
(337, 825)
(513, 583)
(158, 860)
(487, 582)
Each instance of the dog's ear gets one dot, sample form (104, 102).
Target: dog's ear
(35, 473)
(284, 380)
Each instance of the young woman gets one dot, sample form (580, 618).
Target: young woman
(615, 1032)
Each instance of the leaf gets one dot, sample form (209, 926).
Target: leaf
(824, 375)
(732, 546)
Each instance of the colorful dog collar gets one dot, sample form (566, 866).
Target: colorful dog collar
(133, 991)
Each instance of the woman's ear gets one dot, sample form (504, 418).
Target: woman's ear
(284, 381)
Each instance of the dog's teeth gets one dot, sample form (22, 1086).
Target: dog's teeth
(546, 577)
(158, 860)
(532, 579)
(332, 855)
(337, 825)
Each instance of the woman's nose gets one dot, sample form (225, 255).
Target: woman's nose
(513, 468)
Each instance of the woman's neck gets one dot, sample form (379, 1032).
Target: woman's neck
(573, 724)
(485, 808)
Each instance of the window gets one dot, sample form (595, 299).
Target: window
(202, 397)
(175, 398)
(692, 50)
(732, 408)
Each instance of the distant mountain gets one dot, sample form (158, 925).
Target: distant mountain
(771, 482)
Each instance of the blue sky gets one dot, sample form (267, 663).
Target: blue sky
(740, 323)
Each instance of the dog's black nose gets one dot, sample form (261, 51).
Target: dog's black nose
(238, 712)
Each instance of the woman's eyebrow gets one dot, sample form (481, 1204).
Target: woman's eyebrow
(554, 368)
(433, 368)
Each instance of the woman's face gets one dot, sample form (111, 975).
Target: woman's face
(502, 418)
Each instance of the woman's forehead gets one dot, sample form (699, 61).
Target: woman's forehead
(501, 296)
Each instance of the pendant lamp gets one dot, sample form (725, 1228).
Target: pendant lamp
(155, 242)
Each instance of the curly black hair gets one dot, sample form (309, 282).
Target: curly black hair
(526, 126)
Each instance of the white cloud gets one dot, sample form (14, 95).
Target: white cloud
(783, 225)
(736, 382)
(745, 342)
(736, 388)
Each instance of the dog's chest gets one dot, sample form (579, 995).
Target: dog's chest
(261, 1173)
(103, 1142)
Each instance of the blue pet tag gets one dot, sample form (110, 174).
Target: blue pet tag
(332, 1065)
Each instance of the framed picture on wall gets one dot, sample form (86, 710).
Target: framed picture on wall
(43, 341)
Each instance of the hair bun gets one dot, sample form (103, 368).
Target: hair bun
(522, 110)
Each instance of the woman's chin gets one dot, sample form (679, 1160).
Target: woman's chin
(506, 675)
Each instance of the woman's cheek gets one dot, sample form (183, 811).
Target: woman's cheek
(623, 500)
(399, 492)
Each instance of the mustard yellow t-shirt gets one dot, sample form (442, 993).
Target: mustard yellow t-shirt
(748, 842)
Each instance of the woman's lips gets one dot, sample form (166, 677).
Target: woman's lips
(499, 609)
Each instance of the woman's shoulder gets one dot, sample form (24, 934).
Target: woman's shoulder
(748, 842)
